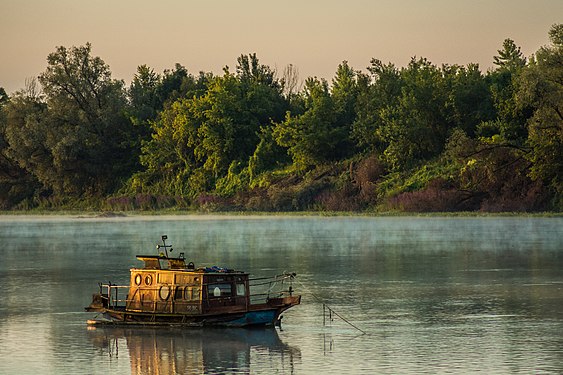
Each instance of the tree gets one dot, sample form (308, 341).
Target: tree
(23, 154)
(268, 155)
(150, 93)
(509, 126)
(197, 140)
(416, 127)
(541, 86)
(375, 93)
(344, 94)
(144, 96)
(311, 137)
(87, 135)
(290, 81)
(169, 158)
(469, 99)
(509, 57)
(235, 107)
(249, 70)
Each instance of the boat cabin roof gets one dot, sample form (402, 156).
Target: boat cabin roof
(158, 262)
(153, 262)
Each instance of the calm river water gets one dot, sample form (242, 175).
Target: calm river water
(433, 295)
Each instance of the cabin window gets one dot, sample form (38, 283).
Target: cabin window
(148, 280)
(163, 264)
(191, 293)
(188, 293)
(241, 289)
(151, 264)
(219, 290)
(138, 279)
(178, 294)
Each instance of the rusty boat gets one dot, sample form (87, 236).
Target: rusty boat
(167, 291)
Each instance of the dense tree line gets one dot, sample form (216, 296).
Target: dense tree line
(415, 138)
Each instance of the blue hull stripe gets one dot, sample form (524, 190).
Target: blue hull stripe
(254, 317)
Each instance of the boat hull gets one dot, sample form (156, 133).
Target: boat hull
(259, 315)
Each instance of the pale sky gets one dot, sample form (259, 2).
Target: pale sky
(314, 35)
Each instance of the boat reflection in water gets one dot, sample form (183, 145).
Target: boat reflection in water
(197, 351)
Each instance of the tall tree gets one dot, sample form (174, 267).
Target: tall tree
(416, 127)
(344, 94)
(509, 57)
(197, 139)
(88, 135)
(143, 95)
(509, 127)
(541, 86)
(15, 183)
(26, 131)
(376, 92)
(290, 81)
(311, 137)
(469, 100)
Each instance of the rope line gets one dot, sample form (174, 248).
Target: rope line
(319, 299)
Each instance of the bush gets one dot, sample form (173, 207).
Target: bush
(439, 196)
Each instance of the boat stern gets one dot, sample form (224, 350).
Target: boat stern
(99, 303)
(284, 303)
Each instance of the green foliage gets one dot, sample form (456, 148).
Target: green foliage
(322, 132)
(236, 180)
(416, 127)
(469, 100)
(197, 140)
(79, 135)
(415, 179)
(267, 156)
(510, 124)
(16, 185)
(415, 138)
(375, 95)
(310, 137)
(541, 87)
(509, 57)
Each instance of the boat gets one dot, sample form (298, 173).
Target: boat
(167, 291)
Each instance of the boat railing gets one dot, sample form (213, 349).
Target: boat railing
(111, 293)
(262, 289)
(277, 286)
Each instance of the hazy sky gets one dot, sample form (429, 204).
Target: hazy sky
(314, 35)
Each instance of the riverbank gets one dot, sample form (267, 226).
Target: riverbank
(194, 215)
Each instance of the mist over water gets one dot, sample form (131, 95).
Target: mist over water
(434, 295)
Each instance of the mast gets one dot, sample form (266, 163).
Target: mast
(165, 246)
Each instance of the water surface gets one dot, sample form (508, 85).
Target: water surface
(427, 295)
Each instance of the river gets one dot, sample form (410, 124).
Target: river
(408, 295)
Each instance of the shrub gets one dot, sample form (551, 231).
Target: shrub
(439, 196)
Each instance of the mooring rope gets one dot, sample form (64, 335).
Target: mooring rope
(319, 299)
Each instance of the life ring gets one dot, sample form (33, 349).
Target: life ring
(164, 292)
(138, 279)
(148, 280)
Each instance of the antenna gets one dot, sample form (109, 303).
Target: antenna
(164, 245)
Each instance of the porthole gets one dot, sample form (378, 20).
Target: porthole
(148, 280)
(164, 292)
(138, 279)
